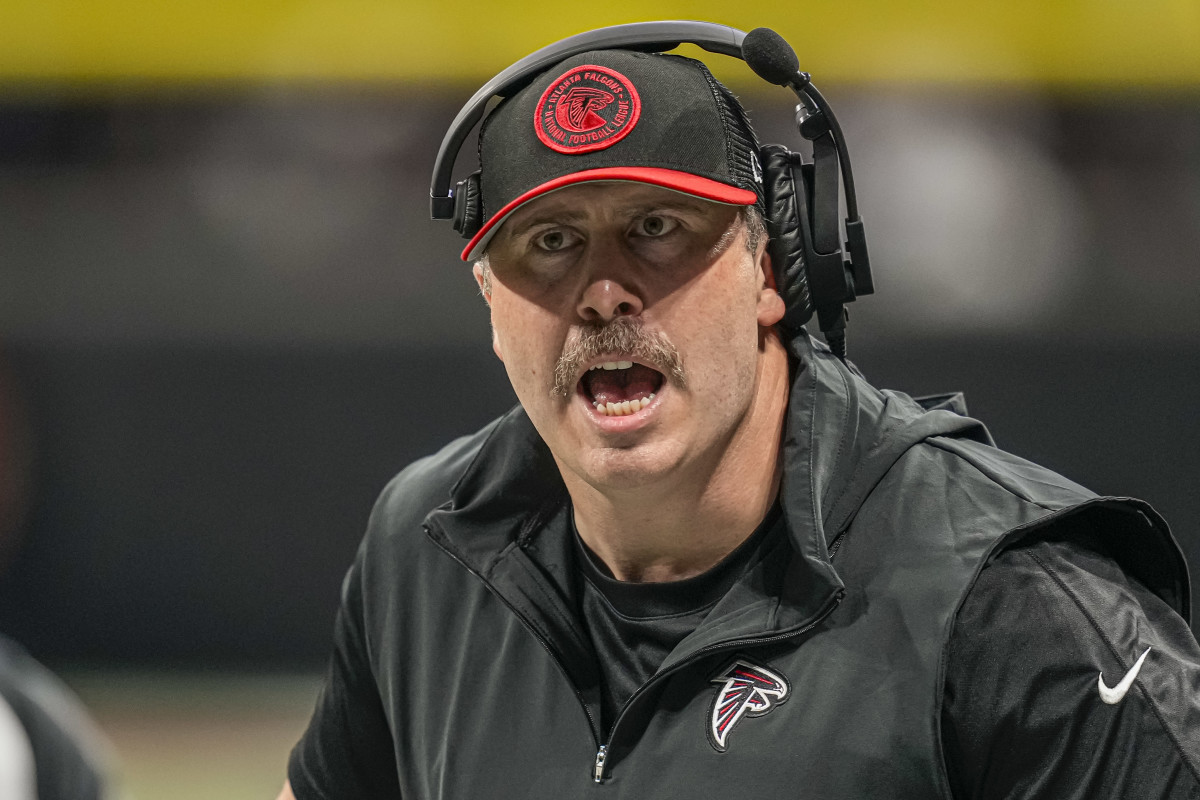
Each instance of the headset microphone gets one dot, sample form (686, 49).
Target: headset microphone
(772, 59)
(833, 280)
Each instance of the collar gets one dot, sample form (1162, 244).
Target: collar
(841, 436)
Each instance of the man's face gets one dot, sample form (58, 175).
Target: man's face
(659, 284)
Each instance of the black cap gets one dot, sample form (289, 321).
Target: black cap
(616, 115)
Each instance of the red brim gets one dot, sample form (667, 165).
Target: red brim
(667, 178)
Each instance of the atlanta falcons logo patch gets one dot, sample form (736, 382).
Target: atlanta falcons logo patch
(747, 690)
(586, 108)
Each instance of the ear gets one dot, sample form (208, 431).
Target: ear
(477, 271)
(771, 307)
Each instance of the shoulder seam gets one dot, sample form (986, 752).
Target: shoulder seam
(932, 442)
(1057, 579)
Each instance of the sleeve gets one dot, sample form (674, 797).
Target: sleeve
(347, 750)
(1047, 694)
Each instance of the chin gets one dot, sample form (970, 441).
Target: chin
(616, 469)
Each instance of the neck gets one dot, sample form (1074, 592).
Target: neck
(681, 527)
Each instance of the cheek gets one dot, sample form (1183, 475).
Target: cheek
(735, 352)
(727, 329)
(523, 336)
(728, 306)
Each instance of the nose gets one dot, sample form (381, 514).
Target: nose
(611, 290)
(605, 299)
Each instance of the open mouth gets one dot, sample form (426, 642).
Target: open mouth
(620, 388)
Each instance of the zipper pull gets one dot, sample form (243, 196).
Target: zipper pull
(598, 773)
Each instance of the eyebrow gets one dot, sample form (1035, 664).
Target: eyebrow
(568, 215)
(556, 216)
(681, 204)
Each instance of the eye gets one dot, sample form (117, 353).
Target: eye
(553, 240)
(654, 225)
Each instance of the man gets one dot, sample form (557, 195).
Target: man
(703, 557)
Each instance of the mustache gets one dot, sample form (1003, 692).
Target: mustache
(624, 335)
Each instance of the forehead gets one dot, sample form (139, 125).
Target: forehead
(606, 200)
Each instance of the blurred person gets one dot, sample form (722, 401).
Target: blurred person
(49, 747)
(18, 778)
(704, 557)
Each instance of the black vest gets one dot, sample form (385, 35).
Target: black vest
(486, 678)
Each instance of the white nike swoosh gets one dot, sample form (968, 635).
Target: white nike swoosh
(1117, 693)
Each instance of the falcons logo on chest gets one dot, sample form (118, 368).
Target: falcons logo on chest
(747, 690)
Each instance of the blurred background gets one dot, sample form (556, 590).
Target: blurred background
(226, 319)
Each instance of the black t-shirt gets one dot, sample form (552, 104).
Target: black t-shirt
(635, 626)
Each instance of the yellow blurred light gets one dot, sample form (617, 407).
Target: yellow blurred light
(1071, 42)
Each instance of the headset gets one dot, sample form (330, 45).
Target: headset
(817, 269)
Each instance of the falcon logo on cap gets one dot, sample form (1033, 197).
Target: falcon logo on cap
(585, 109)
(747, 690)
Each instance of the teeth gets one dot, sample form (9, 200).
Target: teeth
(623, 408)
(612, 365)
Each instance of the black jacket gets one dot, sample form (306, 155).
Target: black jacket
(459, 646)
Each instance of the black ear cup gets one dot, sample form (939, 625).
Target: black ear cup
(787, 220)
(468, 206)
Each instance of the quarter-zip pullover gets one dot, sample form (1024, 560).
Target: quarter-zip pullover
(820, 672)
